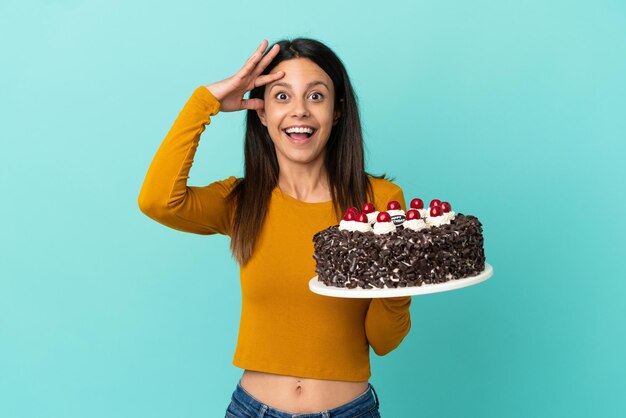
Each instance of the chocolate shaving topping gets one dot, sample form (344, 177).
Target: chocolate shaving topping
(351, 259)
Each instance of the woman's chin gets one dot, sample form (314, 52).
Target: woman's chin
(300, 157)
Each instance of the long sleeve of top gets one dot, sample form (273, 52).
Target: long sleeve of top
(165, 196)
(284, 327)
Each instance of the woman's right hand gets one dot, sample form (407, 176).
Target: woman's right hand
(230, 91)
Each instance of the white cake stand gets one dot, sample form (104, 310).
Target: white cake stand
(340, 292)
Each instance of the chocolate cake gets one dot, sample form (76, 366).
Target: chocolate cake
(445, 247)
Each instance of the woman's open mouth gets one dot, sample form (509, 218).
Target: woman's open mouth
(300, 135)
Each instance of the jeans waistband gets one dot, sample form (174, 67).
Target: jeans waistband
(362, 403)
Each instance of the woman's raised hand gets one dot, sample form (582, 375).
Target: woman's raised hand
(230, 91)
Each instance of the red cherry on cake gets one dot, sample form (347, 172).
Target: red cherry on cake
(383, 217)
(361, 217)
(349, 216)
(412, 214)
(436, 211)
(393, 205)
(368, 207)
(445, 206)
(417, 203)
(353, 210)
(435, 202)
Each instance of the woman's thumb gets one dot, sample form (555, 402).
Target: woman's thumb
(253, 104)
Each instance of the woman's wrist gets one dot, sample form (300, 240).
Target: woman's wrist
(215, 91)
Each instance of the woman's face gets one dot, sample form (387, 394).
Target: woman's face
(303, 98)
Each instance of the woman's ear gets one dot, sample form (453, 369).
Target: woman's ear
(261, 114)
(337, 114)
(336, 117)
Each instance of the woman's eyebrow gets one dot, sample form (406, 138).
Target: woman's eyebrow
(309, 85)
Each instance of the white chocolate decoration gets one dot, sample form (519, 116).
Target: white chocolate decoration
(384, 227)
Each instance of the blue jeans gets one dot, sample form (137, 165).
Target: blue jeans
(244, 405)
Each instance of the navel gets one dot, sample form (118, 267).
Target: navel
(298, 387)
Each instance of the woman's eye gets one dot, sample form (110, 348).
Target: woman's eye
(317, 96)
(281, 96)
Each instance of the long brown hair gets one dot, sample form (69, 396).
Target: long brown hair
(344, 157)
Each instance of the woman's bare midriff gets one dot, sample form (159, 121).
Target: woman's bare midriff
(298, 394)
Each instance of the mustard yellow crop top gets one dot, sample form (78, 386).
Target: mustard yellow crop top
(284, 327)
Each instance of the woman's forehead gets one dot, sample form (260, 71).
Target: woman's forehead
(301, 72)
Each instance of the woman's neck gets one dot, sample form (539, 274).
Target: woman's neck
(308, 183)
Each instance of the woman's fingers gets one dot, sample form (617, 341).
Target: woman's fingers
(271, 54)
(260, 49)
(257, 62)
(268, 78)
(253, 60)
(248, 78)
(248, 68)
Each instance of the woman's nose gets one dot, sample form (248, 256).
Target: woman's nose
(300, 108)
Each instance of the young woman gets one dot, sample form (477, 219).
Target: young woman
(304, 166)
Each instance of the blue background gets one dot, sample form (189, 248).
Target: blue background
(514, 111)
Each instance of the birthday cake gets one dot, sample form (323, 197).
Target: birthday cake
(393, 248)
